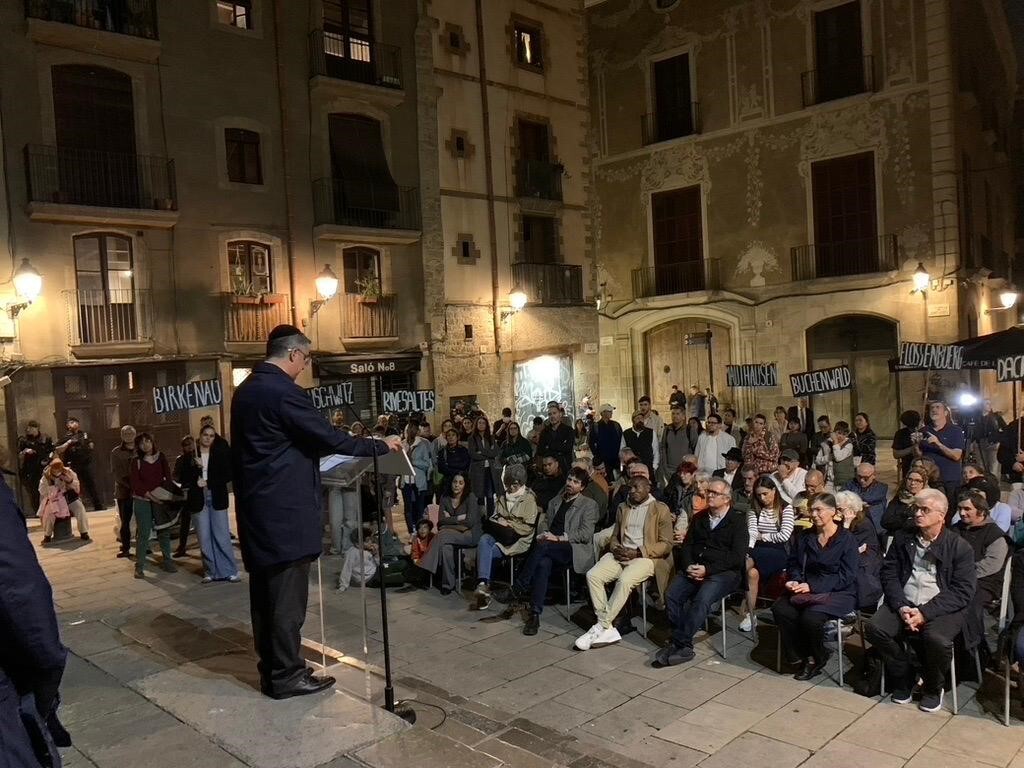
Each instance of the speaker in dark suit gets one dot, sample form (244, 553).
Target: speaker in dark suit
(804, 415)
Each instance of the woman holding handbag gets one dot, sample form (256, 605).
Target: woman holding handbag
(214, 459)
(821, 587)
(58, 498)
(148, 472)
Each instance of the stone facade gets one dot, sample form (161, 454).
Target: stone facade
(753, 157)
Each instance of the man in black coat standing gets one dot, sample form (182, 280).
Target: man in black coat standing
(803, 415)
(278, 441)
(31, 654)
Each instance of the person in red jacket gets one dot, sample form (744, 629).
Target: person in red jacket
(148, 471)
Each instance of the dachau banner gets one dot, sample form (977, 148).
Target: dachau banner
(819, 382)
(1010, 368)
(756, 375)
(937, 357)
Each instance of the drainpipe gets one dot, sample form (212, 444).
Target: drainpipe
(289, 246)
(492, 226)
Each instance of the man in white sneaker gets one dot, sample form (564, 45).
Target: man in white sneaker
(642, 534)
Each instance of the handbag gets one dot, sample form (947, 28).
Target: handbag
(503, 534)
(809, 599)
(164, 515)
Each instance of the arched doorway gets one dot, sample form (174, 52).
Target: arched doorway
(672, 360)
(865, 343)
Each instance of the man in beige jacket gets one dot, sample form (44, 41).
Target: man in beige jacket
(642, 535)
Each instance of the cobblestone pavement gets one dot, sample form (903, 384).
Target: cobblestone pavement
(164, 667)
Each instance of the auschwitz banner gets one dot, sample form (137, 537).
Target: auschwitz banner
(755, 375)
(403, 400)
(182, 397)
(936, 357)
(1010, 368)
(819, 382)
(331, 395)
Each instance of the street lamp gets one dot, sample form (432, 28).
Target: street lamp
(517, 298)
(921, 279)
(28, 284)
(1008, 297)
(326, 287)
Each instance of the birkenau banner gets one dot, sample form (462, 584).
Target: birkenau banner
(183, 397)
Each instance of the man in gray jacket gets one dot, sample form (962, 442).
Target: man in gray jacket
(675, 444)
(564, 540)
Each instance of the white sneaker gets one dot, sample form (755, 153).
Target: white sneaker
(748, 623)
(608, 636)
(584, 642)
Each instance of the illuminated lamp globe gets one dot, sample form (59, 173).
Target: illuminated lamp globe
(921, 278)
(517, 298)
(326, 283)
(1007, 298)
(28, 283)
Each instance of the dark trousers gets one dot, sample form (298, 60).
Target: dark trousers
(536, 571)
(31, 485)
(802, 630)
(415, 502)
(689, 602)
(277, 602)
(124, 511)
(887, 632)
(184, 526)
(88, 483)
(488, 497)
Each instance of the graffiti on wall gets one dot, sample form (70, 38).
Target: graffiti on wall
(538, 381)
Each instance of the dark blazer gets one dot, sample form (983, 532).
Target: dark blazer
(721, 549)
(186, 474)
(31, 654)
(832, 569)
(737, 479)
(279, 439)
(452, 462)
(559, 442)
(810, 425)
(954, 572)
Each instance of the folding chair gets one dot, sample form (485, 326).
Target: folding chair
(1003, 620)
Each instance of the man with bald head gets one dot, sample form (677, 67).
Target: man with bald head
(929, 580)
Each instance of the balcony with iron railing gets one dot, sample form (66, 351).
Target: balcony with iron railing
(339, 56)
(112, 317)
(366, 320)
(846, 257)
(250, 318)
(550, 285)
(837, 81)
(366, 205)
(134, 18)
(678, 277)
(540, 178)
(63, 176)
(665, 124)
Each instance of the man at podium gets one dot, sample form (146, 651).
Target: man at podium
(278, 439)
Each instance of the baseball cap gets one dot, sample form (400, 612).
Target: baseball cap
(789, 455)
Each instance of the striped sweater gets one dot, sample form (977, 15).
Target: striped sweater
(762, 526)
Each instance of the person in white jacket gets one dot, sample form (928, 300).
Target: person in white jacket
(790, 476)
(712, 445)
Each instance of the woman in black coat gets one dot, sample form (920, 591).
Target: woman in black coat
(452, 460)
(187, 473)
(214, 459)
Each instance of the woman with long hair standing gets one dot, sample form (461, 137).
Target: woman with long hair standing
(485, 469)
(770, 526)
(147, 472)
(581, 440)
(517, 449)
(214, 458)
(864, 438)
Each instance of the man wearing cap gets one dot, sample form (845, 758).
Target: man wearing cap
(557, 438)
(675, 443)
(606, 441)
(712, 445)
(790, 476)
(278, 440)
(732, 473)
(643, 441)
(652, 420)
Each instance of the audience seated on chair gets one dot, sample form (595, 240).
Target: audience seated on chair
(873, 492)
(853, 516)
(899, 514)
(564, 540)
(769, 528)
(711, 563)
(642, 536)
(928, 578)
(822, 585)
(458, 526)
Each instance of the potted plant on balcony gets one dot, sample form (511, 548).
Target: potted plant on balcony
(369, 290)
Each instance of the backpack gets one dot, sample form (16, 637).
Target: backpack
(867, 675)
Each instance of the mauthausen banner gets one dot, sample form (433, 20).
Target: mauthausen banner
(1010, 368)
(756, 375)
(937, 357)
(819, 382)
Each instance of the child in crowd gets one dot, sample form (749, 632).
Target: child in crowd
(422, 540)
(360, 564)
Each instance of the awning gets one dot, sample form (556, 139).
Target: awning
(981, 352)
(345, 366)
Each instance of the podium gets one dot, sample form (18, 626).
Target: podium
(337, 471)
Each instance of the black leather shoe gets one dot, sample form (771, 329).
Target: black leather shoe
(532, 624)
(809, 672)
(304, 687)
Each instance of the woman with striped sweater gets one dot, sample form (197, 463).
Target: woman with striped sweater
(770, 525)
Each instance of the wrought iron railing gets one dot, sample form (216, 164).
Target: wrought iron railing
(679, 277)
(347, 57)
(549, 284)
(845, 257)
(136, 18)
(540, 178)
(108, 316)
(94, 177)
(377, 205)
(252, 318)
(368, 318)
(837, 81)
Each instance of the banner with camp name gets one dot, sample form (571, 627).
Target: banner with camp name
(819, 382)
(184, 397)
(403, 400)
(1010, 368)
(936, 357)
(331, 395)
(752, 375)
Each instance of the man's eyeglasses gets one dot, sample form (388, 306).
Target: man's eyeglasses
(714, 493)
(306, 356)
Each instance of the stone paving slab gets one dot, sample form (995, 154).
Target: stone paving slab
(423, 749)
